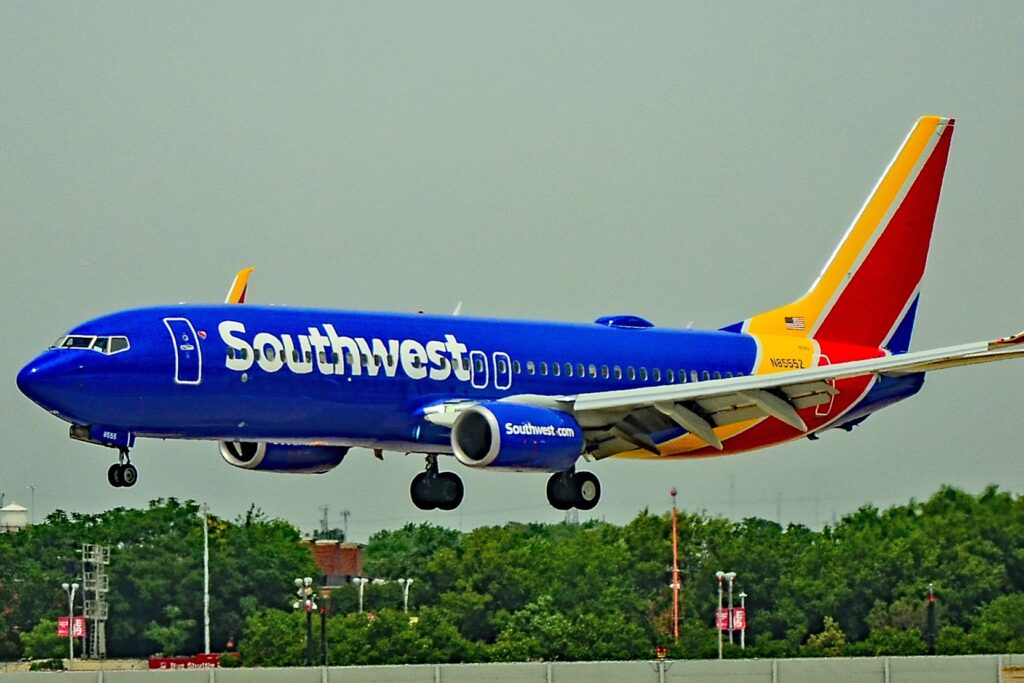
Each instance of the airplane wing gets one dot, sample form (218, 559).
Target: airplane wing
(631, 415)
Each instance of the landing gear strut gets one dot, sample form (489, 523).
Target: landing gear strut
(432, 489)
(572, 489)
(122, 473)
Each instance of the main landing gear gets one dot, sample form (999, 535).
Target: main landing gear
(433, 489)
(122, 473)
(572, 489)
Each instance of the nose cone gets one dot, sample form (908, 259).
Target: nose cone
(44, 381)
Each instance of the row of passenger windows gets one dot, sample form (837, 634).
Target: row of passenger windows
(104, 345)
(617, 372)
(530, 368)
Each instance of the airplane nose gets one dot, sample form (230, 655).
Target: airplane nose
(42, 381)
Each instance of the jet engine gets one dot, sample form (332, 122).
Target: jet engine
(274, 457)
(511, 436)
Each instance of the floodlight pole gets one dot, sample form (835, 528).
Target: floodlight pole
(70, 590)
(675, 569)
(719, 575)
(730, 577)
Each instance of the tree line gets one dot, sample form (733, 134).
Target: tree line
(542, 591)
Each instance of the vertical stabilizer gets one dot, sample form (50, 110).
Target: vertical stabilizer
(868, 292)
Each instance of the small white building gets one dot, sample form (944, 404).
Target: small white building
(13, 517)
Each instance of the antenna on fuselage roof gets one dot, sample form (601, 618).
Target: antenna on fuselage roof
(689, 325)
(458, 309)
(238, 289)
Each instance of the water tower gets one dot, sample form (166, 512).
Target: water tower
(13, 517)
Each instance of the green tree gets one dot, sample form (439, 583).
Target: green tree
(42, 642)
(173, 633)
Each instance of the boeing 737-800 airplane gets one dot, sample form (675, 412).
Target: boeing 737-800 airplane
(293, 389)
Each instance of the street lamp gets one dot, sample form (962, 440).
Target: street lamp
(719, 575)
(307, 600)
(730, 577)
(70, 590)
(405, 584)
(743, 631)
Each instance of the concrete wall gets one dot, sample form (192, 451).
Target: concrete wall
(973, 669)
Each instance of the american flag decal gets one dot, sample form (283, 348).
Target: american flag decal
(795, 323)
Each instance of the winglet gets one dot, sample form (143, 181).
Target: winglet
(236, 295)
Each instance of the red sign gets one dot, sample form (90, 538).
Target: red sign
(78, 627)
(722, 619)
(739, 619)
(210, 661)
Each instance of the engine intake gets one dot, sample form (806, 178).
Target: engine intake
(517, 437)
(274, 457)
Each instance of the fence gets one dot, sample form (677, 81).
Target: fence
(967, 669)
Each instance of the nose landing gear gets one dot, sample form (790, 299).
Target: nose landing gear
(432, 489)
(122, 473)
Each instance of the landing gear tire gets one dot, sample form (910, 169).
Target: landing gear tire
(451, 490)
(419, 492)
(129, 475)
(432, 489)
(561, 494)
(587, 490)
(571, 489)
(122, 473)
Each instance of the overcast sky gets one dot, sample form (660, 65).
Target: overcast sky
(558, 161)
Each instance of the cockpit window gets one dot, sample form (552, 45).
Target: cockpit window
(108, 346)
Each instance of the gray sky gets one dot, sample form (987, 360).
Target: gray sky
(534, 160)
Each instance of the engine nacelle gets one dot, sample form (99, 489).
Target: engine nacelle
(517, 437)
(275, 457)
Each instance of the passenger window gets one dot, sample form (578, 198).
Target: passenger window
(728, 375)
(604, 372)
(656, 374)
(617, 372)
(417, 361)
(231, 352)
(592, 371)
(295, 356)
(568, 369)
(502, 367)
(543, 367)
(391, 360)
(670, 376)
(256, 354)
(516, 367)
(705, 375)
(631, 373)
(693, 375)
(479, 364)
(643, 374)
(556, 369)
(580, 370)
(718, 375)
(322, 356)
(530, 367)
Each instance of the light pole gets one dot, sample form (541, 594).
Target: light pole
(306, 600)
(719, 575)
(743, 631)
(361, 582)
(70, 590)
(32, 503)
(405, 584)
(730, 577)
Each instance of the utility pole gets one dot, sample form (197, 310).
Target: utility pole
(345, 514)
(206, 578)
(675, 569)
(931, 619)
(323, 520)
